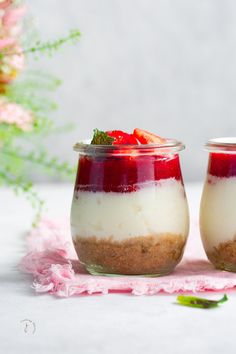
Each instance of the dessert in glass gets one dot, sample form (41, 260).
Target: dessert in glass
(129, 212)
(218, 204)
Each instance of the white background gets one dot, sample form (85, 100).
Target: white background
(168, 66)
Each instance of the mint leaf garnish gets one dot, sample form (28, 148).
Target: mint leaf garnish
(101, 138)
(199, 302)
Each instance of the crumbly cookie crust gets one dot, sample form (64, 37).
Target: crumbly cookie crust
(224, 256)
(144, 255)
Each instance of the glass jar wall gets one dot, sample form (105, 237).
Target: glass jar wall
(129, 212)
(218, 204)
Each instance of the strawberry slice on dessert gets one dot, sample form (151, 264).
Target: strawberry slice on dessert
(145, 137)
(119, 137)
(122, 138)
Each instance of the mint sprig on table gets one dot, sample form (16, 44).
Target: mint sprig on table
(101, 138)
(199, 302)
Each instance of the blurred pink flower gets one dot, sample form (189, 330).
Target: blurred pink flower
(12, 58)
(12, 113)
(11, 65)
(10, 20)
(5, 4)
(13, 15)
(7, 42)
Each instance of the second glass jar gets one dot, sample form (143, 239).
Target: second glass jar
(218, 204)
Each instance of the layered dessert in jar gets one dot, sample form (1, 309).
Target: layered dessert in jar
(218, 204)
(129, 212)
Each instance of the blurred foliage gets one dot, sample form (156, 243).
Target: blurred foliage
(25, 108)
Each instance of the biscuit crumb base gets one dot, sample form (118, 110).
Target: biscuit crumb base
(224, 256)
(144, 255)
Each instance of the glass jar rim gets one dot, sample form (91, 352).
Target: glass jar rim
(223, 144)
(169, 147)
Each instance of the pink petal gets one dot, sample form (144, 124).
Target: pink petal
(13, 16)
(7, 42)
(6, 3)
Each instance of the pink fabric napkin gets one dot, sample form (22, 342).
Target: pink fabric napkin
(53, 264)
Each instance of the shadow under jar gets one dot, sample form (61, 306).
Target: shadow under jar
(129, 212)
(218, 204)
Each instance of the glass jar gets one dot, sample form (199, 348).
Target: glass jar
(129, 212)
(218, 204)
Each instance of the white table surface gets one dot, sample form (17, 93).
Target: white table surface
(109, 324)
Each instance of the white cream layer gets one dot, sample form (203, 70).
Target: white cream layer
(152, 210)
(218, 211)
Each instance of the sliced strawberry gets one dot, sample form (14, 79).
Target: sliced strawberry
(133, 140)
(145, 137)
(122, 138)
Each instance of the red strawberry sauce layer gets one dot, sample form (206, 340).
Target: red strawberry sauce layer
(222, 165)
(123, 173)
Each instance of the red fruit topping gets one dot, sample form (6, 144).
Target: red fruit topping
(222, 165)
(134, 140)
(122, 138)
(122, 174)
(145, 137)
